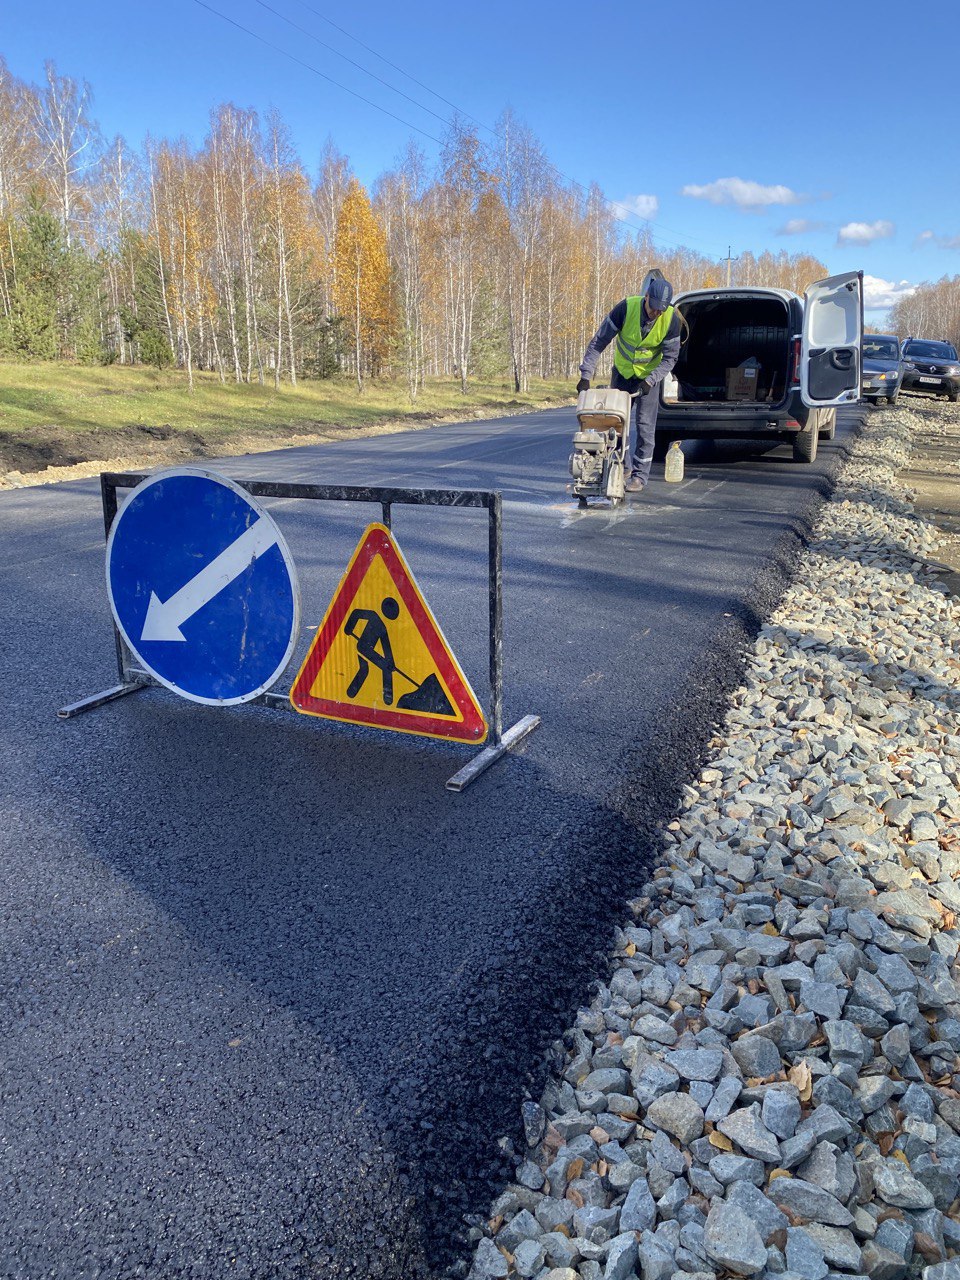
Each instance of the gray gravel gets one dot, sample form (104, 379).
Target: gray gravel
(768, 1082)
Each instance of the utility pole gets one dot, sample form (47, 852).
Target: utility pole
(729, 261)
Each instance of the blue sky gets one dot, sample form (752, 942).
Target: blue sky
(809, 127)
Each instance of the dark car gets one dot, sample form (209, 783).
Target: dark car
(930, 368)
(882, 369)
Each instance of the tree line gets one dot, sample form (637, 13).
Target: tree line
(931, 311)
(230, 258)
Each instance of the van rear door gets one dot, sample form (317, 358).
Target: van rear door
(830, 356)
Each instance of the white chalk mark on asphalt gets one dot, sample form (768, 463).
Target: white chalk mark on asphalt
(712, 489)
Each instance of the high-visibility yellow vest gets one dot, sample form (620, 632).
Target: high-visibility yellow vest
(638, 356)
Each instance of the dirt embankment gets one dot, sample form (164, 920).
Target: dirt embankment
(55, 455)
(40, 456)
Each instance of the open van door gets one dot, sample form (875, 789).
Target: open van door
(832, 335)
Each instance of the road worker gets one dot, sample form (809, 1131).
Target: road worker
(647, 330)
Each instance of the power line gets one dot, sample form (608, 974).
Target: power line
(323, 44)
(343, 31)
(613, 204)
(323, 76)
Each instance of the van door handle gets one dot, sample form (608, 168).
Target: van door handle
(842, 358)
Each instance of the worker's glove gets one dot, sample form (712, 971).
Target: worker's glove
(645, 388)
(583, 385)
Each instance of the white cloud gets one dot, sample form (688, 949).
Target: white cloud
(644, 207)
(880, 295)
(942, 242)
(751, 197)
(799, 227)
(864, 232)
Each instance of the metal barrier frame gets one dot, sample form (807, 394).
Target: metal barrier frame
(132, 679)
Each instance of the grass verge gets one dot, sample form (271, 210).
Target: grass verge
(59, 415)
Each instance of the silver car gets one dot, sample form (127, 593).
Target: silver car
(882, 367)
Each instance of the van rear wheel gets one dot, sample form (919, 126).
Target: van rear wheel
(805, 441)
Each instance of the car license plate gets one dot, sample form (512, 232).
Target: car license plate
(936, 380)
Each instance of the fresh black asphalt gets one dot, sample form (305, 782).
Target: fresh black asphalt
(270, 993)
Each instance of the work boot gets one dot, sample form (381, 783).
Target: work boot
(634, 485)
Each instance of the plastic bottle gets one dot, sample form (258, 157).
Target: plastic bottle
(673, 466)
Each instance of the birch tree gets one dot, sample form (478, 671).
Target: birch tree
(115, 212)
(228, 238)
(67, 136)
(362, 289)
(18, 162)
(328, 197)
(400, 205)
(279, 180)
(463, 180)
(176, 227)
(525, 181)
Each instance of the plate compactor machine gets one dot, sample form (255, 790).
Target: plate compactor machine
(599, 458)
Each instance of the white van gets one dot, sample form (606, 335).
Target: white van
(765, 363)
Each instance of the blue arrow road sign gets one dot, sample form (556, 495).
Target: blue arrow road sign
(203, 587)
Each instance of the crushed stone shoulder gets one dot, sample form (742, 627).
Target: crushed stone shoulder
(767, 1081)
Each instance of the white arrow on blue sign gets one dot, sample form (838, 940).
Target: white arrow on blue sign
(203, 587)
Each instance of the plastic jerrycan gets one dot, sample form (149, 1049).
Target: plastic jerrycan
(673, 465)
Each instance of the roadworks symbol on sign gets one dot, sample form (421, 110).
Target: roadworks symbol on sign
(379, 657)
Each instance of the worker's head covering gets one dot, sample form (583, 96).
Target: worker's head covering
(659, 294)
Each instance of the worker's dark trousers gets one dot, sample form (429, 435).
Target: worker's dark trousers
(646, 416)
(646, 420)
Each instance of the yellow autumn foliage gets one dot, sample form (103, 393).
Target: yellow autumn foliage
(362, 280)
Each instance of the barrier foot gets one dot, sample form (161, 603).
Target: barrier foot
(100, 699)
(490, 755)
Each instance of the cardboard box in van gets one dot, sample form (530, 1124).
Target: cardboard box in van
(742, 381)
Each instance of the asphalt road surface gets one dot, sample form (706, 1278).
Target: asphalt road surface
(270, 992)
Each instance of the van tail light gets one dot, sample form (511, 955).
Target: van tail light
(792, 422)
(795, 370)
